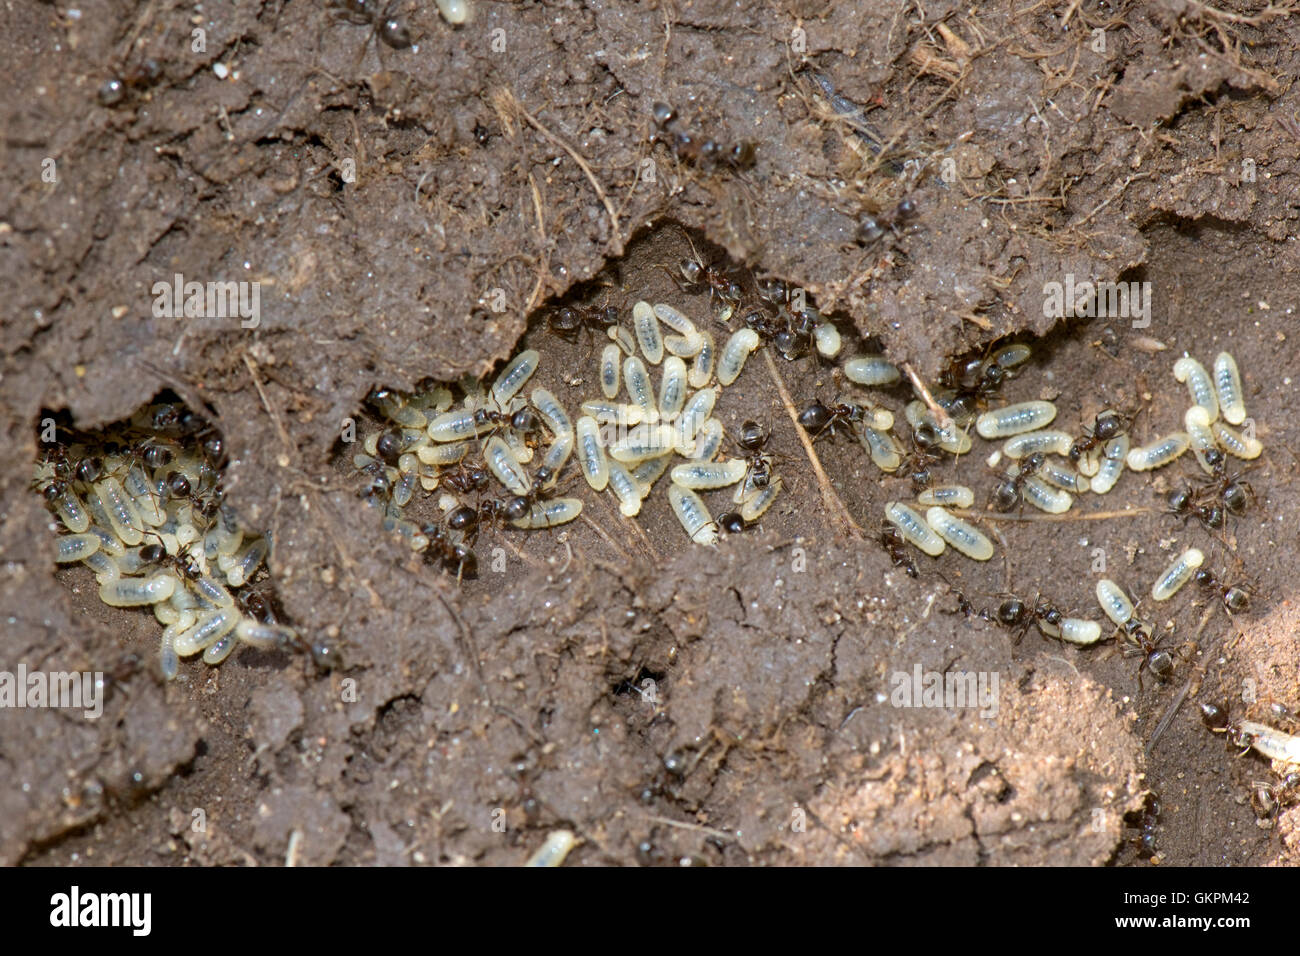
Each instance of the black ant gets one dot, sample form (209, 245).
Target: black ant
(179, 487)
(1154, 658)
(567, 322)
(1145, 822)
(1229, 490)
(182, 562)
(256, 605)
(465, 478)
(452, 553)
(732, 522)
(925, 439)
(1270, 799)
(392, 30)
(752, 441)
(467, 519)
(1235, 597)
(964, 606)
(891, 539)
(818, 417)
(694, 152)
(872, 228)
(1183, 504)
(1015, 613)
(698, 275)
(139, 77)
(1106, 426)
(1008, 492)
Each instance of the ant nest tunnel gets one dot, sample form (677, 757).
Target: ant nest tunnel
(140, 505)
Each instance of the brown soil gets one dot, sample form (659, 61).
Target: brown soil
(510, 698)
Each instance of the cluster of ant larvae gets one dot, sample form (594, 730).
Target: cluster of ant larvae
(143, 510)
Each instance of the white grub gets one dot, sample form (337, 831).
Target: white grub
(1227, 383)
(1044, 497)
(1199, 385)
(684, 346)
(947, 496)
(914, 528)
(549, 513)
(696, 412)
(672, 388)
(962, 535)
(591, 456)
(1111, 465)
(76, 547)
(1049, 442)
(1159, 453)
(649, 471)
(705, 361)
(693, 515)
(827, 338)
(644, 441)
(1015, 419)
(621, 337)
(137, 592)
(626, 489)
(637, 377)
(502, 463)
(455, 12)
(708, 441)
(1235, 443)
(614, 413)
(674, 319)
(1080, 632)
(1273, 744)
(1177, 574)
(884, 449)
(648, 334)
(553, 851)
(610, 360)
(208, 628)
(755, 506)
(734, 354)
(1114, 602)
(443, 453)
(552, 412)
(707, 475)
(1196, 420)
(1063, 477)
(514, 376)
(871, 370)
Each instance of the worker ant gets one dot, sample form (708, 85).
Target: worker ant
(1017, 614)
(392, 30)
(569, 321)
(1183, 504)
(818, 417)
(1235, 597)
(873, 227)
(1138, 640)
(692, 151)
(917, 462)
(1106, 425)
(732, 522)
(450, 552)
(1229, 490)
(1008, 492)
(891, 539)
(465, 478)
(1145, 821)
